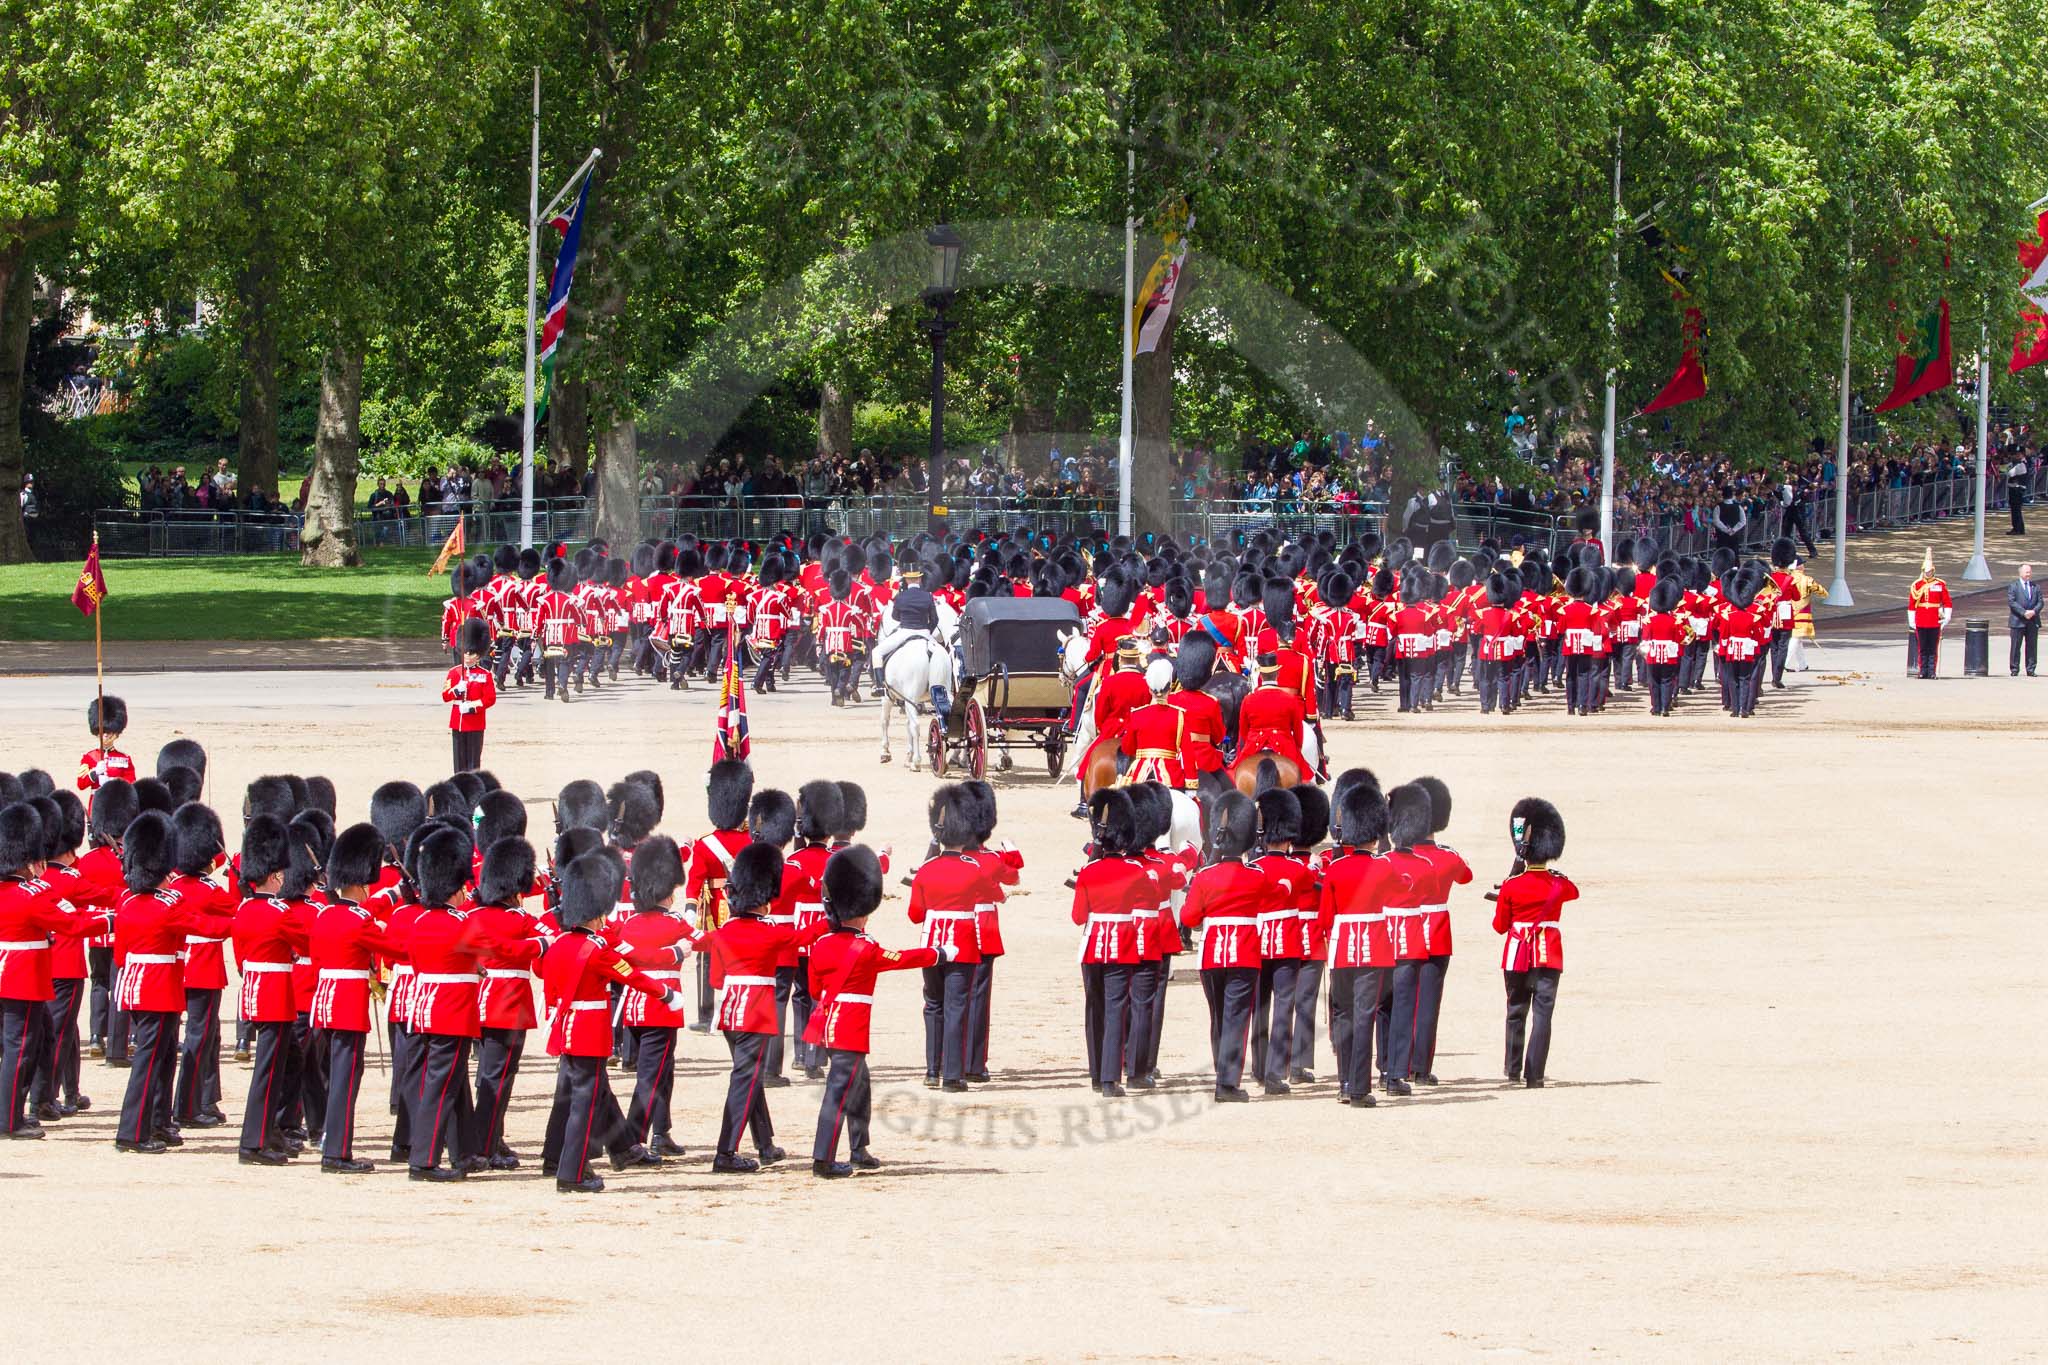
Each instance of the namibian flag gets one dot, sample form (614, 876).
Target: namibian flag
(557, 318)
(730, 740)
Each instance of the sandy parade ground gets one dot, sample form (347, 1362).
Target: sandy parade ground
(1795, 1107)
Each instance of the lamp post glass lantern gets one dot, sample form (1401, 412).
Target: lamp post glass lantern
(945, 272)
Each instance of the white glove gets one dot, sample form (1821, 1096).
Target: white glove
(949, 952)
(461, 689)
(1945, 614)
(673, 999)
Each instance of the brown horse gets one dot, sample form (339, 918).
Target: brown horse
(1244, 772)
(1097, 768)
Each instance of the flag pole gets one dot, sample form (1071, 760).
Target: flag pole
(1613, 341)
(1838, 592)
(1125, 436)
(1979, 571)
(99, 667)
(532, 284)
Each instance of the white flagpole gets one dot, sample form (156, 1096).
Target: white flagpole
(1979, 571)
(1838, 592)
(532, 285)
(1613, 338)
(1125, 436)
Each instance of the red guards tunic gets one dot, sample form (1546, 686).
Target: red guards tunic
(269, 938)
(1585, 634)
(943, 898)
(1272, 718)
(1406, 910)
(305, 976)
(344, 946)
(206, 960)
(1928, 605)
(802, 898)
(1663, 638)
(655, 941)
(743, 954)
(1351, 907)
(844, 965)
(448, 950)
(1004, 866)
(1414, 634)
(149, 931)
(709, 866)
(1159, 932)
(469, 692)
(1154, 737)
(96, 766)
(807, 864)
(1282, 935)
(506, 1000)
(1625, 614)
(30, 912)
(576, 972)
(1526, 911)
(1109, 895)
(1735, 632)
(93, 881)
(1225, 900)
(1447, 869)
(1200, 736)
(558, 623)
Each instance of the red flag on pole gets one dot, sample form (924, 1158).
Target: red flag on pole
(92, 584)
(452, 548)
(1926, 365)
(730, 739)
(1691, 380)
(2030, 347)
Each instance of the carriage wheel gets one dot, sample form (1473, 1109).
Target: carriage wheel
(977, 740)
(1055, 751)
(935, 741)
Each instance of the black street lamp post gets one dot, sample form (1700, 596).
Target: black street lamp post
(945, 244)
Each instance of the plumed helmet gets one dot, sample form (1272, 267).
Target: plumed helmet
(147, 848)
(771, 818)
(1408, 815)
(728, 787)
(1159, 673)
(633, 813)
(756, 877)
(21, 839)
(196, 832)
(106, 716)
(308, 838)
(581, 805)
(1361, 816)
(1666, 595)
(507, 873)
(656, 871)
(1279, 817)
(474, 637)
(1439, 802)
(440, 868)
(1537, 830)
(1112, 823)
(1195, 661)
(981, 808)
(271, 796)
(1233, 825)
(1152, 805)
(184, 784)
(181, 753)
(356, 858)
(590, 887)
(951, 817)
(853, 883)
(397, 809)
(266, 851)
(853, 810)
(113, 806)
(819, 810)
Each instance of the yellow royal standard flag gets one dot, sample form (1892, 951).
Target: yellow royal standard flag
(1154, 304)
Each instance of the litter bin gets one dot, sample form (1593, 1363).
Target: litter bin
(1976, 649)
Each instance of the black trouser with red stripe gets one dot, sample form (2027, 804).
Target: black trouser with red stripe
(405, 1083)
(1532, 995)
(1141, 1037)
(344, 1049)
(946, 988)
(497, 1067)
(1308, 984)
(1429, 1005)
(22, 1026)
(306, 1102)
(585, 1116)
(849, 1100)
(199, 1058)
(441, 1113)
(271, 1083)
(1105, 1016)
(1273, 1023)
(1354, 1006)
(1231, 992)
(746, 1103)
(785, 991)
(146, 1109)
(801, 1003)
(57, 1073)
(1397, 1020)
(647, 1117)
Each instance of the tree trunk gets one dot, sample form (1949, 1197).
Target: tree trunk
(256, 443)
(569, 420)
(835, 420)
(618, 486)
(1152, 473)
(329, 538)
(17, 293)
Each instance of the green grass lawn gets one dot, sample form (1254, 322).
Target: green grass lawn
(230, 597)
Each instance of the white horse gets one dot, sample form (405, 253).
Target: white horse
(917, 679)
(1074, 649)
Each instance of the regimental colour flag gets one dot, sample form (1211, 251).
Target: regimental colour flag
(1154, 304)
(452, 549)
(2030, 347)
(557, 319)
(1926, 365)
(92, 584)
(730, 739)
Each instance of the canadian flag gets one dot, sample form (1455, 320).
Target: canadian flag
(2030, 347)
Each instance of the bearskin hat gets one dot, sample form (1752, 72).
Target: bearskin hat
(1361, 815)
(151, 793)
(981, 802)
(50, 827)
(839, 584)
(1536, 829)
(106, 716)
(1195, 662)
(561, 576)
(633, 813)
(574, 842)
(181, 753)
(1440, 555)
(1723, 560)
(459, 584)
(397, 809)
(651, 780)
(756, 877)
(196, 831)
(266, 851)
(1248, 589)
(113, 806)
(1339, 588)
(689, 562)
(645, 558)
(1646, 552)
(1216, 583)
(307, 839)
(447, 800)
(10, 788)
(728, 787)
(1783, 551)
(590, 887)
(1582, 583)
(819, 810)
(1666, 595)
(357, 858)
(1277, 596)
(950, 814)
(1353, 777)
(1400, 550)
(1113, 594)
(881, 565)
(184, 784)
(1233, 825)
(271, 796)
(771, 818)
(474, 637)
(1279, 818)
(655, 872)
(1497, 591)
(1414, 588)
(147, 847)
(616, 572)
(581, 805)
(1622, 581)
(853, 884)
(1383, 582)
(440, 866)
(507, 872)
(471, 785)
(853, 810)
(320, 796)
(35, 782)
(1315, 814)
(771, 571)
(1180, 598)
(1112, 823)
(21, 838)
(1408, 815)
(1439, 802)
(1462, 573)
(1152, 806)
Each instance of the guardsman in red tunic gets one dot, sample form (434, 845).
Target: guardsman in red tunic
(729, 787)
(1494, 626)
(470, 691)
(1155, 734)
(1408, 813)
(844, 965)
(92, 882)
(558, 626)
(32, 911)
(1107, 641)
(771, 820)
(1625, 622)
(1526, 909)
(150, 929)
(1739, 633)
(200, 855)
(1005, 865)
(945, 897)
(1664, 637)
(345, 943)
(650, 938)
(1354, 889)
(841, 640)
(1448, 869)
(576, 970)
(1308, 977)
(308, 837)
(1342, 630)
(1927, 610)
(1584, 637)
(1414, 641)
(1158, 929)
(269, 938)
(1283, 942)
(1120, 691)
(106, 717)
(398, 811)
(504, 880)
(1109, 894)
(1224, 902)
(114, 804)
(819, 809)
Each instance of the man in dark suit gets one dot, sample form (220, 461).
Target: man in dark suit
(2023, 617)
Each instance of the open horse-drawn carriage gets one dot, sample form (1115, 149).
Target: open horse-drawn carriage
(1011, 693)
